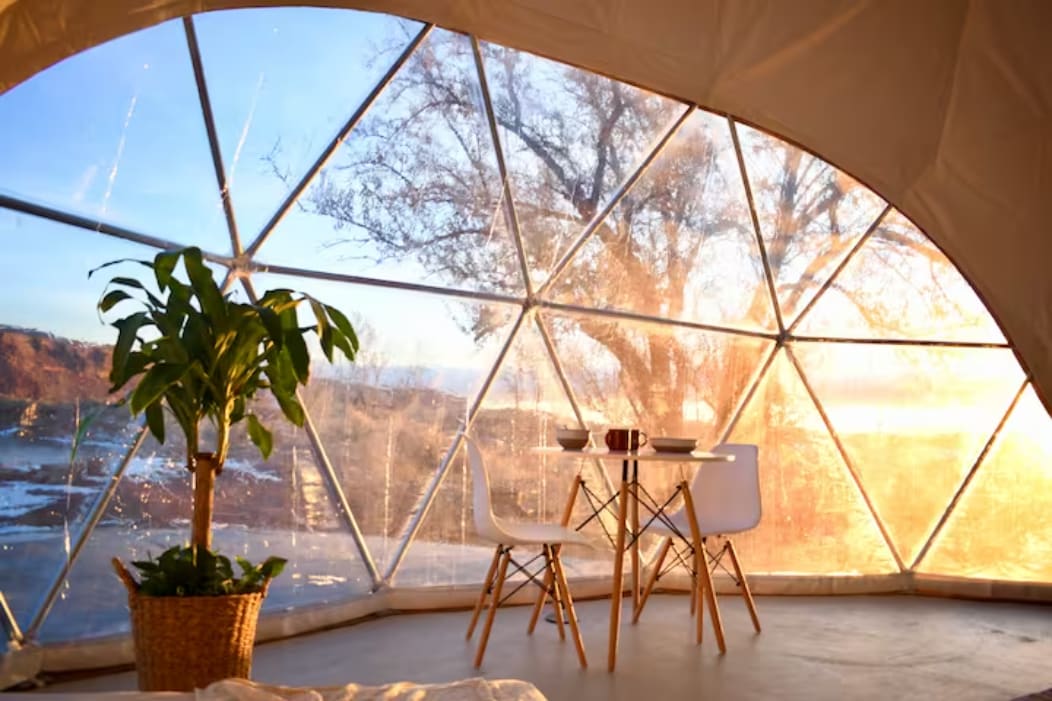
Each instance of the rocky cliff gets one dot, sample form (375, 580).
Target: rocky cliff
(38, 366)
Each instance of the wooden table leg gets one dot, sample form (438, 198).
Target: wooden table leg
(619, 564)
(634, 505)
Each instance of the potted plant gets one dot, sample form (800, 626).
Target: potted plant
(203, 357)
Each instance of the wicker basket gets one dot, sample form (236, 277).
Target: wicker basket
(186, 643)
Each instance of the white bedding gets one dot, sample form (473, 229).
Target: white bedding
(475, 689)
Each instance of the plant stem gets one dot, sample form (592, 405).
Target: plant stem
(204, 469)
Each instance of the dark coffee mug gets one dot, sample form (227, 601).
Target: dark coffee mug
(625, 439)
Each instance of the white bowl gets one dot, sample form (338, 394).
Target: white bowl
(572, 438)
(668, 444)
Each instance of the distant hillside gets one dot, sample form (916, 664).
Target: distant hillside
(38, 366)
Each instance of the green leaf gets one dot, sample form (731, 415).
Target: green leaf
(118, 262)
(112, 298)
(154, 384)
(260, 436)
(135, 284)
(155, 420)
(272, 322)
(273, 566)
(82, 432)
(344, 325)
(290, 406)
(127, 328)
(297, 350)
(327, 342)
(189, 571)
(204, 284)
(164, 266)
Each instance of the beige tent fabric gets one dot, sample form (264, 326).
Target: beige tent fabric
(942, 107)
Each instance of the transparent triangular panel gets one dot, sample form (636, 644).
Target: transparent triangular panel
(667, 380)
(522, 409)
(387, 419)
(48, 264)
(115, 134)
(283, 82)
(414, 193)
(900, 285)
(149, 512)
(283, 506)
(47, 496)
(54, 368)
(1000, 528)
(913, 421)
(275, 507)
(681, 244)
(815, 520)
(810, 214)
(570, 139)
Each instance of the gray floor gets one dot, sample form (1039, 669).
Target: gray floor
(866, 647)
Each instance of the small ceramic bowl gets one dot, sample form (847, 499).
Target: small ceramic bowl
(668, 444)
(572, 438)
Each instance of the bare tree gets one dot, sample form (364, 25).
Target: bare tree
(418, 181)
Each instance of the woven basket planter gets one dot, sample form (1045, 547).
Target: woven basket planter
(186, 643)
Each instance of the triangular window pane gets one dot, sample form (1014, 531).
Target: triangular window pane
(283, 506)
(912, 420)
(667, 380)
(810, 213)
(814, 518)
(681, 244)
(525, 404)
(115, 134)
(48, 263)
(899, 285)
(414, 193)
(275, 507)
(47, 499)
(387, 419)
(570, 138)
(283, 82)
(57, 363)
(999, 529)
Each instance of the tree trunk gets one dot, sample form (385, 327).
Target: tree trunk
(204, 469)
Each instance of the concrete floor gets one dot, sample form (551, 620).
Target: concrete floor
(864, 647)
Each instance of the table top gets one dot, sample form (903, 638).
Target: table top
(645, 454)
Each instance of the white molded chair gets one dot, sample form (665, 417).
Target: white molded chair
(508, 535)
(726, 500)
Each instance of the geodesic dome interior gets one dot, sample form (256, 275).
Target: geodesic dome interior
(521, 244)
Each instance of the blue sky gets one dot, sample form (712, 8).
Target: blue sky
(116, 134)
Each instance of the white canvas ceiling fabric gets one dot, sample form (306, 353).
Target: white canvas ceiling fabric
(944, 108)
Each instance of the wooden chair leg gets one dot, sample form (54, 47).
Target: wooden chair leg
(557, 599)
(694, 587)
(654, 574)
(703, 579)
(710, 598)
(567, 606)
(746, 593)
(494, 603)
(485, 590)
(542, 595)
(538, 605)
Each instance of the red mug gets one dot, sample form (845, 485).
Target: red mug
(625, 439)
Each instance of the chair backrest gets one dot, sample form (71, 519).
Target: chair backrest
(727, 494)
(485, 520)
